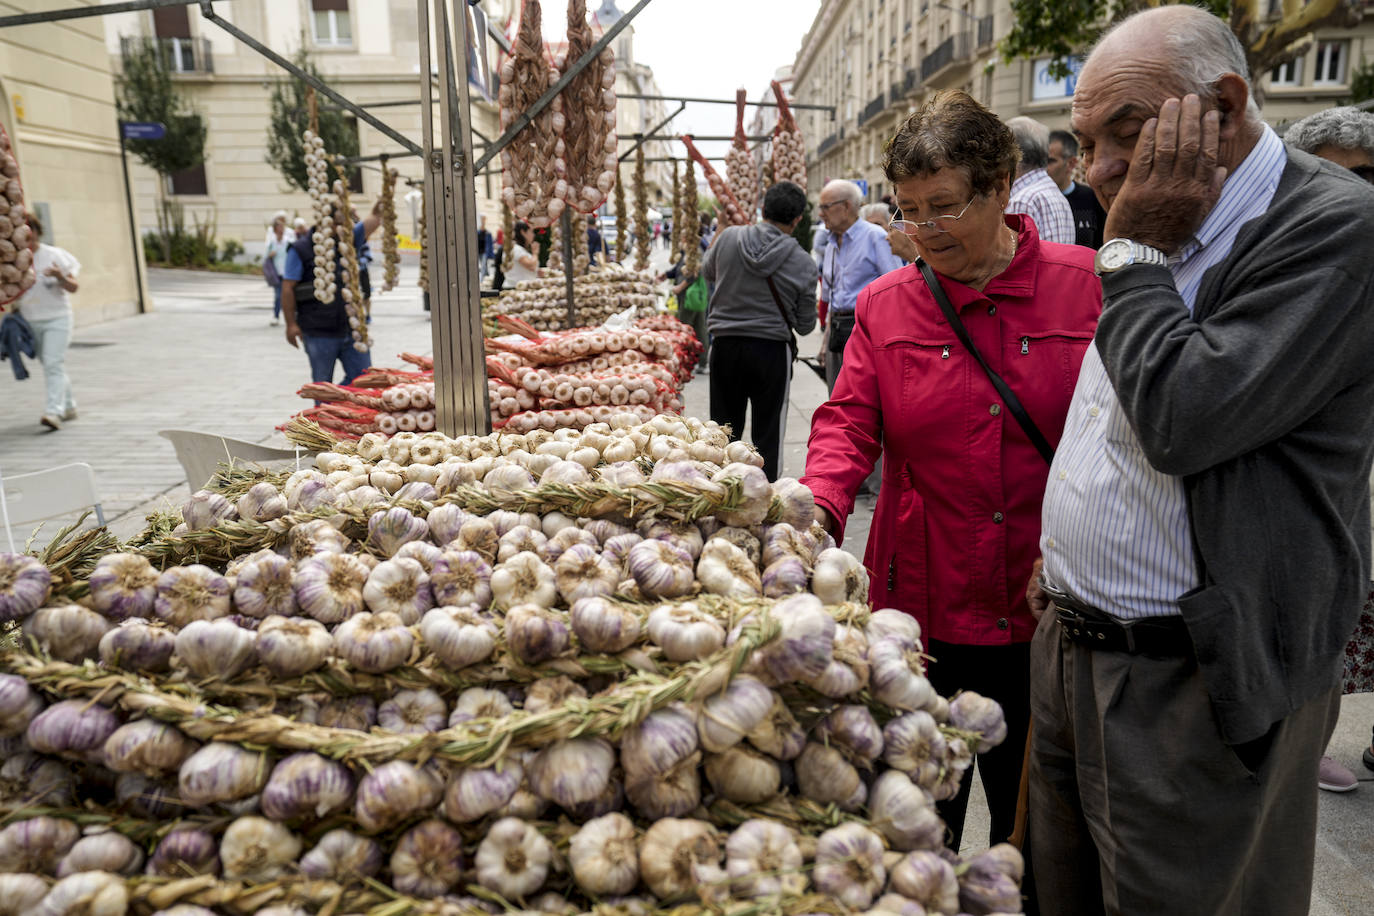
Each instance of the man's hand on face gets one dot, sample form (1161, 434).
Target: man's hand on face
(1173, 181)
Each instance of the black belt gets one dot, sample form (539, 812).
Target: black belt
(1088, 626)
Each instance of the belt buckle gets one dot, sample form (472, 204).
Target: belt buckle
(1072, 621)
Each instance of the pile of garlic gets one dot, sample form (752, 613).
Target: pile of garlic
(325, 203)
(390, 252)
(622, 708)
(16, 258)
(598, 294)
(789, 150)
(585, 122)
(740, 168)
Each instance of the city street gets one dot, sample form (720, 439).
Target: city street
(206, 358)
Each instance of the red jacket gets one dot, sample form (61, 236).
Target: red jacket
(957, 525)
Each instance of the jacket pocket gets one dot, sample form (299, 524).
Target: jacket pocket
(1055, 353)
(907, 570)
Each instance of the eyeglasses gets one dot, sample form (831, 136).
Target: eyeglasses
(834, 203)
(936, 224)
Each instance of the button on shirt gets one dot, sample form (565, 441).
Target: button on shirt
(854, 260)
(1036, 195)
(1115, 530)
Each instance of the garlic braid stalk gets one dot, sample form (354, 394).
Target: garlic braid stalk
(587, 163)
(642, 235)
(691, 223)
(390, 252)
(325, 205)
(620, 216)
(352, 293)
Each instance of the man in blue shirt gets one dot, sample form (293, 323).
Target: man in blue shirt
(323, 330)
(856, 255)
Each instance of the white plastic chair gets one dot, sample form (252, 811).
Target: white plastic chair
(33, 497)
(201, 454)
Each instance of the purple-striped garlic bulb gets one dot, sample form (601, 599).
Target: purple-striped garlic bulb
(428, 860)
(375, 643)
(849, 865)
(461, 578)
(394, 791)
(215, 648)
(603, 625)
(536, 634)
(18, 705)
(329, 587)
(123, 585)
(72, 728)
(67, 632)
(306, 785)
(137, 645)
(291, 646)
(263, 586)
(188, 593)
(413, 712)
(343, 857)
(458, 636)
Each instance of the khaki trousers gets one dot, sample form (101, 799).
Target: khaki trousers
(1137, 807)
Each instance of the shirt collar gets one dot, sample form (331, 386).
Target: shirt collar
(1030, 178)
(1262, 168)
(1070, 189)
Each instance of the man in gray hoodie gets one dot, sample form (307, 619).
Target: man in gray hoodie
(765, 288)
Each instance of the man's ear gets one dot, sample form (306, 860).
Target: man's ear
(1233, 95)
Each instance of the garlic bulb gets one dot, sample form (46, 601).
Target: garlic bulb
(929, 880)
(329, 586)
(86, 893)
(206, 509)
(20, 893)
(215, 648)
(400, 586)
(785, 576)
(572, 771)
(617, 550)
(342, 856)
(148, 798)
(853, 731)
(306, 785)
(421, 552)
(742, 775)
(25, 584)
(824, 776)
(222, 772)
(290, 647)
(261, 503)
(413, 712)
(67, 632)
(724, 569)
(763, 860)
(187, 593)
(672, 793)
(564, 540)
(781, 541)
(32, 780)
(849, 865)
(18, 705)
(551, 693)
(155, 749)
(394, 791)
(444, 523)
(388, 530)
(461, 578)
(475, 792)
(263, 586)
(602, 856)
(479, 536)
(839, 577)
(972, 712)
(137, 645)
(806, 646)
(896, 905)
(912, 743)
(903, 813)
(520, 539)
(534, 633)
(315, 537)
(356, 712)
(604, 626)
(36, 844)
(513, 859)
(992, 883)
(184, 852)
(658, 743)
(797, 502)
(661, 569)
(479, 703)
(375, 643)
(428, 859)
(888, 623)
(458, 636)
(685, 632)
(778, 734)
(727, 717)
(675, 854)
(581, 572)
(523, 579)
(255, 849)
(893, 676)
(104, 851)
(74, 728)
(123, 585)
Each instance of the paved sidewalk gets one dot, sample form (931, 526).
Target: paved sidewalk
(206, 358)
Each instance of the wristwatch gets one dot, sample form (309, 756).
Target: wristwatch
(1121, 253)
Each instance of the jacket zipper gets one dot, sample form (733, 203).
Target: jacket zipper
(1025, 346)
(944, 354)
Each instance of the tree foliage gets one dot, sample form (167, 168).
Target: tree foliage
(147, 93)
(1060, 28)
(1362, 83)
(290, 117)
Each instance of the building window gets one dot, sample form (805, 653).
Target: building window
(1331, 57)
(1289, 74)
(190, 182)
(331, 23)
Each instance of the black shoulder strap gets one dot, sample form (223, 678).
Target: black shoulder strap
(1042, 445)
(777, 300)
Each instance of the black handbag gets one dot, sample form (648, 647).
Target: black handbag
(1037, 438)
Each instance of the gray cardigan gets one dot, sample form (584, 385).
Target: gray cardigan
(1263, 402)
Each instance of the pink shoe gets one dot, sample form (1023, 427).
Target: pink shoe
(1333, 777)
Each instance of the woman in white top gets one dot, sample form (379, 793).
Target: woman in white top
(279, 239)
(524, 257)
(47, 308)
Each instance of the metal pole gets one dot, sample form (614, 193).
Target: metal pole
(81, 12)
(133, 224)
(543, 101)
(568, 265)
(681, 98)
(640, 138)
(321, 87)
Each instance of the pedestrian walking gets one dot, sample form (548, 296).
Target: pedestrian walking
(279, 240)
(524, 257)
(764, 291)
(1206, 521)
(47, 307)
(1034, 192)
(596, 253)
(1088, 215)
(484, 248)
(957, 522)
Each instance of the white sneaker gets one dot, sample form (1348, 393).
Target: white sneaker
(69, 413)
(50, 421)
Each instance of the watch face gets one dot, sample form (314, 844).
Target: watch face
(1115, 254)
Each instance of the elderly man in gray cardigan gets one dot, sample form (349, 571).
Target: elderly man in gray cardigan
(1206, 521)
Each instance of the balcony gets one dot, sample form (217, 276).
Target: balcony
(178, 55)
(985, 35)
(910, 81)
(954, 49)
(827, 144)
(873, 108)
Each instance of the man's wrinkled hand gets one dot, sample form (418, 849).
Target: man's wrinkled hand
(1173, 181)
(1036, 596)
(293, 334)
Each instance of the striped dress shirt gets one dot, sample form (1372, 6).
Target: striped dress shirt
(1115, 530)
(1036, 195)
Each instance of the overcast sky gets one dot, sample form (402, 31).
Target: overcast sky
(708, 49)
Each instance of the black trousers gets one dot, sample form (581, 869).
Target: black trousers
(749, 372)
(1001, 673)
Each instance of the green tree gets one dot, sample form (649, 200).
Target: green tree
(146, 93)
(1060, 28)
(290, 117)
(1362, 83)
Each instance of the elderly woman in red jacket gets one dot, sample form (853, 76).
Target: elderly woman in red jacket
(957, 524)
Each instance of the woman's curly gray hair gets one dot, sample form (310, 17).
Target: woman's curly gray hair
(1345, 127)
